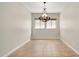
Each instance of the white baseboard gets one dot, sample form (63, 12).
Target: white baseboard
(45, 38)
(6, 55)
(71, 47)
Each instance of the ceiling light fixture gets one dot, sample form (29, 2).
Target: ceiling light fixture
(44, 17)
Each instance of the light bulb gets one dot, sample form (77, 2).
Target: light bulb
(44, 15)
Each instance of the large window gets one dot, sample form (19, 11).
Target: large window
(51, 24)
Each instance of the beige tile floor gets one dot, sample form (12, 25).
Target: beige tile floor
(44, 48)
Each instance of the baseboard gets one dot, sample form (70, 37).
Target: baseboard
(71, 47)
(45, 38)
(6, 55)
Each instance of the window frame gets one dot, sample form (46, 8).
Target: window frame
(45, 25)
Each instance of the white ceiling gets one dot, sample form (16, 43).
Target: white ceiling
(52, 7)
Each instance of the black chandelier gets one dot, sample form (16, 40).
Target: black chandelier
(44, 17)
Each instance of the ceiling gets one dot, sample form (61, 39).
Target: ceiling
(52, 7)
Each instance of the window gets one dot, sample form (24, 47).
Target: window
(51, 24)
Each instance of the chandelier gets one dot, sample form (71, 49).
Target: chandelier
(44, 17)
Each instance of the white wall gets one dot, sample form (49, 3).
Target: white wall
(69, 25)
(45, 33)
(15, 26)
